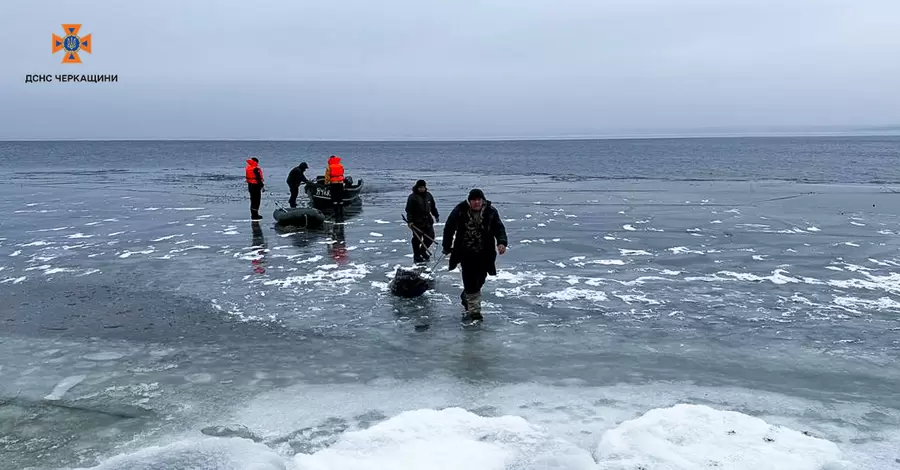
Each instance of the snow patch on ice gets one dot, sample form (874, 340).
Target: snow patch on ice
(64, 386)
(609, 262)
(325, 274)
(679, 250)
(103, 356)
(881, 304)
(574, 293)
(681, 437)
(626, 252)
(779, 276)
(167, 237)
(451, 438)
(37, 243)
(128, 253)
(690, 437)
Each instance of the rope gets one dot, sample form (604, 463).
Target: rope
(422, 242)
(276, 202)
(419, 234)
(436, 263)
(417, 230)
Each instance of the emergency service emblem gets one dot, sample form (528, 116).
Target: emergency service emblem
(72, 44)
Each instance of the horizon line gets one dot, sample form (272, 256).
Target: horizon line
(870, 132)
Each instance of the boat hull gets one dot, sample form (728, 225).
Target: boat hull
(320, 194)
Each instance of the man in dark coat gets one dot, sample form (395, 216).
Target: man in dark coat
(470, 234)
(295, 178)
(421, 213)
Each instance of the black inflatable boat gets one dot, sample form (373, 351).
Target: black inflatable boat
(303, 217)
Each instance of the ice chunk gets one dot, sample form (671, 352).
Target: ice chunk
(237, 430)
(689, 437)
(199, 378)
(451, 438)
(213, 452)
(103, 356)
(572, 293)
(64, 386)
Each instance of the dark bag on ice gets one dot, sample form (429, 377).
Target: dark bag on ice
(411, 282)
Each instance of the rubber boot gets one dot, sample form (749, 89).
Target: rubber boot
(473, 307)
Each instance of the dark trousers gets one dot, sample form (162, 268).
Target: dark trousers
(337, 196)
(474, 274)
(293, 200)
(421, 243)
(255, 199)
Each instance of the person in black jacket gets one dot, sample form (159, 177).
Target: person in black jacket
(295, 178)
(421, 213)
(470, 234)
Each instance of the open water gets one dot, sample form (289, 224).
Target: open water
(664, 304)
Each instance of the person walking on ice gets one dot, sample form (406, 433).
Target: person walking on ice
(473, 236)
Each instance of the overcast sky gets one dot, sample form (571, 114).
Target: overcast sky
(298, 69)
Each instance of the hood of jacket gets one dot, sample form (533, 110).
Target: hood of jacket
(251, 163)
(334, 159)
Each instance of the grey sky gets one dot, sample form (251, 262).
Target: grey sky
(360, 69)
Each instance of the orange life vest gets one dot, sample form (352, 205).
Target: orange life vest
(335, 170)
(251, 174)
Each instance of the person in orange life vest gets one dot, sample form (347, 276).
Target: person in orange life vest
(255, 185)
(334, 178)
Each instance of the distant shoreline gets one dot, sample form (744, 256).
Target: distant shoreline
(886, 132)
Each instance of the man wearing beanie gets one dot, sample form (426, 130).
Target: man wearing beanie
(472, 231)
(421, 213)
